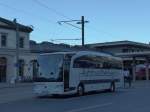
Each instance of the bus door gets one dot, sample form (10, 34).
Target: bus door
(66, 71)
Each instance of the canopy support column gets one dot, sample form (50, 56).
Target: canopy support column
(134, 68)
(147, 69)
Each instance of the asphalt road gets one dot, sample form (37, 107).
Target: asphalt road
(14, 94)
(136, 99)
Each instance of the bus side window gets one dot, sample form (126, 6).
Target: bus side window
(76, 64)
(87, 64)
(106, 65)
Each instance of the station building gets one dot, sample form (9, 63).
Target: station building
(132, 53)
(8, 63)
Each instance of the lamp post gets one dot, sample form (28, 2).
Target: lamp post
(82, 22)
(17, 47)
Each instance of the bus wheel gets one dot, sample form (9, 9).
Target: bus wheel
(112, 87)
(80, 90)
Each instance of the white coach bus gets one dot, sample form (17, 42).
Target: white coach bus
(77, 72)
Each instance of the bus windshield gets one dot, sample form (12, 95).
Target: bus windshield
(50, 67)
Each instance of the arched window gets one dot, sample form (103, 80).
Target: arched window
(35, 66)
(21, 67)
(3, 61)
(21, 42)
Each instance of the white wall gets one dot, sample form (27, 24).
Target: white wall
(28, 65)
(11, 39)
(10, 53)
(11, 69)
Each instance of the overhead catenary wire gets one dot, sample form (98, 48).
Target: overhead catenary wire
(58, 13)
(63, 15)
(51, 9)
(27, 13)
(49, 20)
(73, 25)
(41, 18)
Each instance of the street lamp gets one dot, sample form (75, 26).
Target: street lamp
(82, 22)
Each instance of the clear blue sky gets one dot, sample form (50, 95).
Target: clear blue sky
(110, 20)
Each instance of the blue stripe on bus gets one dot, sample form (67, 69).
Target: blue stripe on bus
(99, 81)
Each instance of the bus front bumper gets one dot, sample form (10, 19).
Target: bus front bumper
(48, 88)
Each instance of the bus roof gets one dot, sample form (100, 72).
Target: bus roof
(58, 53)
(80, 53)
(96, 54)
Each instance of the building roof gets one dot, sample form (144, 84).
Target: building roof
(82, 53)
(145, 54)
(10, 25)
(118, 43)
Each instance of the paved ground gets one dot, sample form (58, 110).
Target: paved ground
(135, 99)
(16, 85)
(14, 93)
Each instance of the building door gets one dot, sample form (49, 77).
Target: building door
(66, 70)
(3, 66)
(21, 68)
(34, 68)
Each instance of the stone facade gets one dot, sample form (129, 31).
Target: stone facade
(8, 65)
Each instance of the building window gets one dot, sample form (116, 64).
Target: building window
(3, 40)
(35, 68)
(132, 50)
(125, 50)
(21, 67)
(21, 42)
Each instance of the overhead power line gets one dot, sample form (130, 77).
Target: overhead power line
(49, 20)
(69, 24)
(27, 13)
(64, 16)
(82, 22)
(41, 18)
(51, 9)
(67, 39)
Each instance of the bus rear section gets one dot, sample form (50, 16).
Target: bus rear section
(96, 71)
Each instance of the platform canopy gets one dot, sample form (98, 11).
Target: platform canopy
(134, 55)
(144, 54)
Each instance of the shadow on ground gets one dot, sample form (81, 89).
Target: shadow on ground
(86, 94)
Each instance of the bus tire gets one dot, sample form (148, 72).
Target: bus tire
(112, 87)
(80, 90)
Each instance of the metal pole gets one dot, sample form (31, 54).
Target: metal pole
(147, 69)
(134, 69)
(17, 47)
(82, 22)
